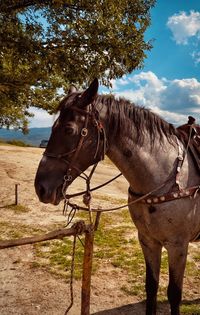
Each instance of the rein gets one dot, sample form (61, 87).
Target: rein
(192, 191)
(94, 188)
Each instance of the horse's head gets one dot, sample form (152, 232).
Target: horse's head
(76, 142)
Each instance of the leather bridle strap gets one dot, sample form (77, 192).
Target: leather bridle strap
(88, 113)
(84, 133)
(71, 165)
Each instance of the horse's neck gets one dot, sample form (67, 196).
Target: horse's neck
(143, 166)
(147, 166)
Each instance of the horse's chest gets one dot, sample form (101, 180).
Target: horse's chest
(143, 217)
(149, 220)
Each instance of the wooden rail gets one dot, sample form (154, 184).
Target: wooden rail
(77, 229)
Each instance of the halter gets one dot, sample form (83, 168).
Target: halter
(89, 113)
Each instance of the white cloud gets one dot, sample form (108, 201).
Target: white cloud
(196, 56)
(41, 118)
(184, 26)
(172, 99)
(123, 80)
(184, 96)
(172, 117)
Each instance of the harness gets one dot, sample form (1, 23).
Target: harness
(190, 134)
(150, 198)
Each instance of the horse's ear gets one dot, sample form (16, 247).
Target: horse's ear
(90, 94)
(72, 89)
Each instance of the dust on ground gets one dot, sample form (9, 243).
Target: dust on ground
(25, 290)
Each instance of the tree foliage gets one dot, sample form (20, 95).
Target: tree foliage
(47, 45)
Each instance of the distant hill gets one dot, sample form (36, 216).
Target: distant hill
(33, 138)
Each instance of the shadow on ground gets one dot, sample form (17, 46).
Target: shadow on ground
(139, 309)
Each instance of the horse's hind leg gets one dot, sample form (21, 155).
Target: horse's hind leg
(152, 254)
(177, 255)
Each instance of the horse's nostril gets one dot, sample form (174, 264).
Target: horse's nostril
(45, 193)
(41, 190)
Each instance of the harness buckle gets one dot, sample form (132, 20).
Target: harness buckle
(84, 132)
(68, 178)
(180, 157)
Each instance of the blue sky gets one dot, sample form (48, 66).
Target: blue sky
(169, 83)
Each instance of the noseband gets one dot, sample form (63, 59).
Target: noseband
(89, 113)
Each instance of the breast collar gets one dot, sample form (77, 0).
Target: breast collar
(176, 191)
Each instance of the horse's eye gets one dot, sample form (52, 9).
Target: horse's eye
(69, 130)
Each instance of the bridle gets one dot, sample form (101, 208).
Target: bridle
(90, 113)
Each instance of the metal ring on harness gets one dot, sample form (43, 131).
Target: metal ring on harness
(84, 132)
(67, 178)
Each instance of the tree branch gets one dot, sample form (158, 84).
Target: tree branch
(21, 4)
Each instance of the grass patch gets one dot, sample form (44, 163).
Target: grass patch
(190, 309)
(56, 257)
(17, 230)
(18, 208)
(18, 143)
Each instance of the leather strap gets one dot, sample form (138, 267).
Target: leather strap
(174, 195)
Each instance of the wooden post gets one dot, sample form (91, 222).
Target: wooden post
(87, 271)
(16, 194)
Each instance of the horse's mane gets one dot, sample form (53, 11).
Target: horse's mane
(121, 111)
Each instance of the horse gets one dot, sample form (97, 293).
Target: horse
(154, 159)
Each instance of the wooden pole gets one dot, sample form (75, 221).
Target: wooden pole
(87, 272)
(16, 194)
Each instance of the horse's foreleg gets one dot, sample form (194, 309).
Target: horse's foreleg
(177, 256)
(152, 254)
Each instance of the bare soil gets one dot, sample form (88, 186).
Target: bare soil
(25, 290)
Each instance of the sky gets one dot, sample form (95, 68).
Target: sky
(169, 83)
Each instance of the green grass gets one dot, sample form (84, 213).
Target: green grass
(18, 208)
(56, 257)
(18, 143)
(190, 308)
(17, 230)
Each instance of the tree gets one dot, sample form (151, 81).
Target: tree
(47, 45)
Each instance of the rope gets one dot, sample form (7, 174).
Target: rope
(72, 277)
(73, 205)
(94, 188)
(80, 228)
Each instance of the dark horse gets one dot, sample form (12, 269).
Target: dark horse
(151, 156)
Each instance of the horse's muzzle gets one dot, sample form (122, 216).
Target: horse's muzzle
(48, 193)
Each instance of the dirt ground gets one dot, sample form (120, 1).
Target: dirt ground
(30, 291)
